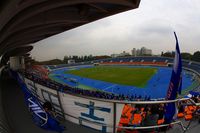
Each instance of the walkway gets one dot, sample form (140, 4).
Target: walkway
(18, 116)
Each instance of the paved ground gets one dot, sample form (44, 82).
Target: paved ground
(18, 116)
(21, 122)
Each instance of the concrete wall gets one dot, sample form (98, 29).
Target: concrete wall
(17, 62)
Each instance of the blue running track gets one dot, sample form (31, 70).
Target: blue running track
(155, 88)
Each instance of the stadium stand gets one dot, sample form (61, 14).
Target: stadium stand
(132, 115)
(137, 60)
(97, 94)
(153, 61)
(188, 64)
(137, 63)
(147, 60)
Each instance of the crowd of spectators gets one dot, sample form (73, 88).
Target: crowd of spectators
(142, 115)
(146, 115)
(92, 93)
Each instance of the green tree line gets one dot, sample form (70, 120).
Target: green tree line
(76, 58)
(184, 55)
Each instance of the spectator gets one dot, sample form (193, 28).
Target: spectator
(53, 124)
(48, 108)
(161, 111)
(150, 119)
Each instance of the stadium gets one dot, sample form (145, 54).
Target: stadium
(130, 94)
(103, 81)
(153, 78)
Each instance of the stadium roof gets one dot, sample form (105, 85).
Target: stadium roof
(23, 22)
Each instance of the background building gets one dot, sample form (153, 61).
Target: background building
(145, 51)
(71, 61)
(141, 52)
(134, 52)
(124, 53)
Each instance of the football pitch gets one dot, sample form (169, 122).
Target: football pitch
(119, 75)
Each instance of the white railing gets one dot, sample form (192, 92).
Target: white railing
(151, 127)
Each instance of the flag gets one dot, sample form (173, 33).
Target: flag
(175, 84)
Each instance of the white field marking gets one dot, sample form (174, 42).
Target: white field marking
(109, 87)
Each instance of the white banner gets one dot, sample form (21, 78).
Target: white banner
(86, 109)
(80, 110)
(41, 87)
(30, 85)
(119, 109)
(41, 91)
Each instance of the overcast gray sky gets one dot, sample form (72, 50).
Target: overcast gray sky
(151, 25)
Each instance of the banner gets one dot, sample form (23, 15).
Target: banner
(40, 117)
(81, 110)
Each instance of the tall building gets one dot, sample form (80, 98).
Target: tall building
(141, 52)
(124, 53)
(138, 52)
(114, 55)
(133, 51)
(145, 51)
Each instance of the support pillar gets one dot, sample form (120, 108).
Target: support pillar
(17, 62)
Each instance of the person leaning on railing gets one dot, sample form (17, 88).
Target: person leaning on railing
(196, 99)
(150, 119)
(161, 112)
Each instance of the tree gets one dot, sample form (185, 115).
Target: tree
(51, 62)
(75, 57)
(186, 56)
(196, 56)
(168, 54)
(162, 53)
(85, 58)
(66, 58)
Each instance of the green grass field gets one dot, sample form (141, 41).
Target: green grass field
(120, 75)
